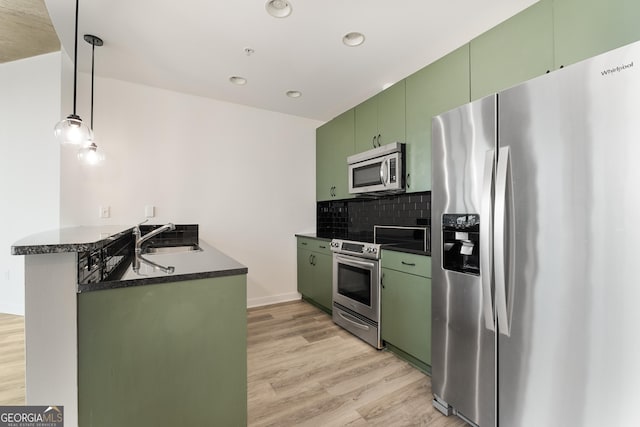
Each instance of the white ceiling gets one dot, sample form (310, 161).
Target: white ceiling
(194, 46)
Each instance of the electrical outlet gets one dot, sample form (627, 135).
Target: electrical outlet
(105, 212)
(149, 211)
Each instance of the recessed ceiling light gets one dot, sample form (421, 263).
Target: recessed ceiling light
(237, 80)
(353, 39)
(294, 94)
(278, 8)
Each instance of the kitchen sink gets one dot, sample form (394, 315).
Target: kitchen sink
(150, 250)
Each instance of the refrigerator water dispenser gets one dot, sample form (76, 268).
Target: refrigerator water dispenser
(461, 243)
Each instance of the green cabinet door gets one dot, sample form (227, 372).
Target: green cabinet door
(323, 280)
(405, 316)
(170, 354)
(305, 272)
(334, 143)
(315, 274)
(437, 88)
(366, 125)
(514, 51)
(380, 120)
(584, 28)
(392, 113)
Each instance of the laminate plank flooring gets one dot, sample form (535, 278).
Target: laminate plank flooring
(12, 365)
(303, 370)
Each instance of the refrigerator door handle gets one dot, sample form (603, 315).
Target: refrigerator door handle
(486, 240)
(504, 242)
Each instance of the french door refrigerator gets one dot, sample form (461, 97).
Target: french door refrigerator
(536, 250)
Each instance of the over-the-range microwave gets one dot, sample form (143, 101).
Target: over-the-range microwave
(377, 171)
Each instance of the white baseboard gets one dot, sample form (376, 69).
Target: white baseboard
(12, 308)
(272, 299)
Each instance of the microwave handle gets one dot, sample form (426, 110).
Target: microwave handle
(384, 174)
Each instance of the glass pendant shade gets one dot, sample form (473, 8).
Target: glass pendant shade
(89, 155)
(73, 131)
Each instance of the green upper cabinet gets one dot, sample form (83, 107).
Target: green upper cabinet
(514, 51)
(380, 120)
(437, 88)
(334, 143)
(585, 28)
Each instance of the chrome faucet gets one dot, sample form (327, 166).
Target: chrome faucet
(141, 239)
(137, 259)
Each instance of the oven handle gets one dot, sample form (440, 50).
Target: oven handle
(353, 322)
(354, 262)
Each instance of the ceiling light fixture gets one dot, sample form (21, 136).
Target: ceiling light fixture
(278, 8)
(89, 153)
(294, 94)
(353, 39)
(72, 130)
(237, 80)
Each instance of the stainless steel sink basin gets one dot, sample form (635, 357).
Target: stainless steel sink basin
(150, 250)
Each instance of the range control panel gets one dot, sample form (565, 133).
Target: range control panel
(361, 249)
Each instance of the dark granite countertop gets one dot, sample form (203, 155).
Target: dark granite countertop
(70, 239)
(312, 236)
(188, 265)
(192, 265)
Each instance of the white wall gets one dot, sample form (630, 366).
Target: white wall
(29, 163)
(247, 176)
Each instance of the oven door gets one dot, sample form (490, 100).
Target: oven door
(356, 285)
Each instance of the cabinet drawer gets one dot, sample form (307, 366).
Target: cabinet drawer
(419, 265)
(315, 245)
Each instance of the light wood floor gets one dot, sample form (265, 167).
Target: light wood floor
(306, 371)
(303, 371)
(12, 390)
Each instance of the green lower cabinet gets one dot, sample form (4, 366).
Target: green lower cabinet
(406, 313)
(315, 274)
(585, 28)
(323, 291)
(167, 354)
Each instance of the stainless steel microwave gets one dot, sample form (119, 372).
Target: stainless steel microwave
(380, 170)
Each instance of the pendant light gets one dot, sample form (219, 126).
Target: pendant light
(72, 130)
(89, 153)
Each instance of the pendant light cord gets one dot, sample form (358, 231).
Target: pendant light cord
(93, 51)
(75, 61)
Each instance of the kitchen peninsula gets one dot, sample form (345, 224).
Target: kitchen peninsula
(157, 341)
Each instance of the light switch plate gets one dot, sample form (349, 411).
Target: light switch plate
(149, 211)
(105, 212)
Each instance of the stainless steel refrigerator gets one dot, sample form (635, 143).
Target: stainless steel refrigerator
(536, 250)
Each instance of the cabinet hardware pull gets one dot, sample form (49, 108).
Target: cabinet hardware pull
(322, 247)
(382, 281)
(408, 180)
(412, 264)
(310, 257)
(379, 140)
(373, 141)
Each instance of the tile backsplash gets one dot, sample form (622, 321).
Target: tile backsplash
(354, 219)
